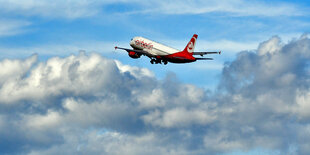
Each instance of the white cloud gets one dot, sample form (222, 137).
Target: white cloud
(88, 104)
(67, 8)
(78, 9)
(16, 69)
(222, 142)
(271, 46)
(231, 7)
(43, 122)
(154, 99)
(57, 76)
(108, 142)
(136, 71)
(12, 27)
(303, 104)
(179, 117)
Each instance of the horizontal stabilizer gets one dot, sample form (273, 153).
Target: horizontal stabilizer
(204, 53)
(204, 58)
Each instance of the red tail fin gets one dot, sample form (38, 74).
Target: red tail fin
(191, 45)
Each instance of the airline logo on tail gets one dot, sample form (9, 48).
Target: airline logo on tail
(191, 44)
(190, 47)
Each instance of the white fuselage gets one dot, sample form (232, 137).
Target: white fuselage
(152, 47)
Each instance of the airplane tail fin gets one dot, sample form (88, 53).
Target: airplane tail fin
(191, 45)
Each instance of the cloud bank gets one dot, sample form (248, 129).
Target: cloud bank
(88, 104)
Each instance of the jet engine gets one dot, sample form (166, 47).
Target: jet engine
(134, 55)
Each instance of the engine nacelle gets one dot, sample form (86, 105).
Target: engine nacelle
(134, 55)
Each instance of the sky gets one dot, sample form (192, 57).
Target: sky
(65, 90)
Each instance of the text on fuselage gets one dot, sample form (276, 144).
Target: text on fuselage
(143, 44)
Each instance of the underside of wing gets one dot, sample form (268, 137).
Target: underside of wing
(142, 52)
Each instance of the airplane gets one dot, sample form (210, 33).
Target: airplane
(159, 53)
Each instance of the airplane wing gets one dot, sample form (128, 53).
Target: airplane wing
(137, 51)
(205, 53)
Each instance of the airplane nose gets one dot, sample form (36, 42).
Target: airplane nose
(132, 42)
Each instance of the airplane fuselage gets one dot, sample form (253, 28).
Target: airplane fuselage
(161, 51)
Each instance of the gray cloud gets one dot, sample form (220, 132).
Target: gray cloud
(264, 88)
(88, 104)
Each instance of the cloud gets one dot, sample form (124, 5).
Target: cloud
(231, 7)
(179, 117)
(66, 9)
(88, 104)
(12, 27)
(267, 84)
(79, 9)
(15, 68)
